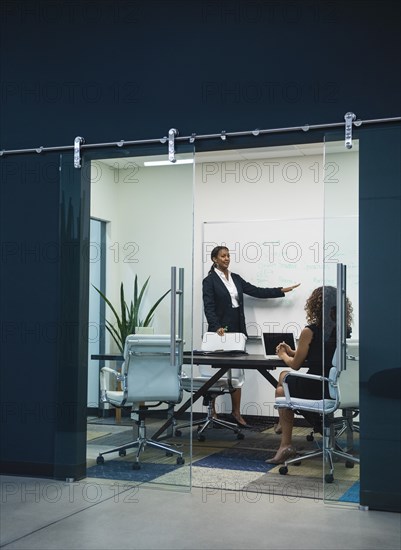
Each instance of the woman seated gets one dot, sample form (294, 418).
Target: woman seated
(316, 339)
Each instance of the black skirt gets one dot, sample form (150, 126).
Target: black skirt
(308, 389)
(234, 321)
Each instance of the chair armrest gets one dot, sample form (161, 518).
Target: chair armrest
(305, 375)
(107, 370)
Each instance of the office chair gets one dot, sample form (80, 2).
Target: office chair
(326, 408)
(146, 375)
(234, 379)
(345, 422)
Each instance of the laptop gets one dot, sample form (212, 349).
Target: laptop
(272, 339)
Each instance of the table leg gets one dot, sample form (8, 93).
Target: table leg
(199, 393)
(269, 377)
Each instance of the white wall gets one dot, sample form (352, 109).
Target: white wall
(150, 217)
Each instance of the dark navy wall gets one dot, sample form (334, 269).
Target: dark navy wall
(133, 69)
(380, 316)
(110, 70)
(30, 305)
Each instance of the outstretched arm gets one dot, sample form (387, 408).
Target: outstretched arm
(289, 288)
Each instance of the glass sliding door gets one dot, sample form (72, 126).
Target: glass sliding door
(146, 215)
(147, 206)
(341, 245)
(302, 222)
(266, 205)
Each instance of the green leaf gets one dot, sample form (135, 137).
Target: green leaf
(115, 335)
(123, 308)
(128, 318)
(110, 306)
(151, 313)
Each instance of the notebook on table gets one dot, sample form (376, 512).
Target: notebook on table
(231, 343)
(272, 339)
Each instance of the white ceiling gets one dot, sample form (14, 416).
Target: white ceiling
(231, 155)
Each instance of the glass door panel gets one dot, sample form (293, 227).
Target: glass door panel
(147, 208)
(267, 206)
(96, 336)
(341, 220)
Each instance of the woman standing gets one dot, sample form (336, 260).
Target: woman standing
(223, 301)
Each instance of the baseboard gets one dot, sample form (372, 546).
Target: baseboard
(27, 469)
(381, 501)
(44, 470)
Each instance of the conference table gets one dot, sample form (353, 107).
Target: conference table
(222, 363)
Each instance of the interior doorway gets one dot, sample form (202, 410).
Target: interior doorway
(286, 238)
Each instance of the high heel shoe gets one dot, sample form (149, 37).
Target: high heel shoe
(240, 424)
(285, 454)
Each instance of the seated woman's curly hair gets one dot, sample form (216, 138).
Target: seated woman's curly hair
(323, 302)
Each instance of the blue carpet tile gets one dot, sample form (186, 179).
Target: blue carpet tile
(352, 494)
(233, 459)
(122, 470)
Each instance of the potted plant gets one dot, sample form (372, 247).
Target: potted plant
(128, 319)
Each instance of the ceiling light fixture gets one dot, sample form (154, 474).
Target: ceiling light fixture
(167, 162)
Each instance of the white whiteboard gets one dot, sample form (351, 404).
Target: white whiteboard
(283, 252)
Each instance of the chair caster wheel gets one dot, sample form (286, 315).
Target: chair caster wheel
(283, 470)
(100, 460)
(329, 478)
(178, 433)
(201, 437)
(349, 464)
(123, 452)
(240, 435)
(180, 460)
(136, 466)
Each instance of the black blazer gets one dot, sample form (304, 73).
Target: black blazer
(217, 299)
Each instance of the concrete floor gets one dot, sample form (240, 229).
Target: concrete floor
(48, 514)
